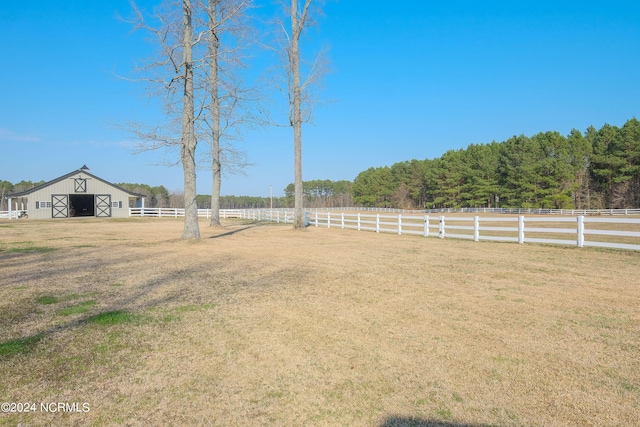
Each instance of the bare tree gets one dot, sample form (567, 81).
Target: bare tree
(214, 47)
(297, 24)
(170, 76)
(299, 90)
(228, 32)
(189, 142)
(218, 105)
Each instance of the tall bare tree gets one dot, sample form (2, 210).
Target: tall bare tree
(297, 24)
(189, 142)
(213, 11)
(170, 78)
(228, 33)
(218, 104)
(299, 90)
(215, 102)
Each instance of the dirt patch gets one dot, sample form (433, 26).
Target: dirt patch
(261, 324)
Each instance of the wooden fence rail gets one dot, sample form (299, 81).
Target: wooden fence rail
(598, 230)
(177, 212)
(581, 230)
(621, 233)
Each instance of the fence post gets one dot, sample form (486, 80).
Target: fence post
(328, 219)
(358, 221)
(377, 223)
(399, 224)
(521, 229)
(342, 220)
(441, 229)
(316, 218)
(476, 228)
(580, 231)
(426, 226)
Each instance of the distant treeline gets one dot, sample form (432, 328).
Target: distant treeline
(597, 169)
(318, 193)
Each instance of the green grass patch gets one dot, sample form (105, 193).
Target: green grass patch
(628, 386)
(171, 318)
(114, 318)
(46, 299)
(112, 343)
(83, 307)
(193, 307)
(457, 397)
(20, 345)
(30, 249)
(444, 413)
(175, 314)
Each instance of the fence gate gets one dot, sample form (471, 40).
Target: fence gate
(103, 205)
(59, 206)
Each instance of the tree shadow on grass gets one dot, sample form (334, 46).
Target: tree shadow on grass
(124, 310)
(121, 306)
(400, 421)
(237, 230)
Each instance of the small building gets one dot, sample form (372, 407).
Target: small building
(76, 194)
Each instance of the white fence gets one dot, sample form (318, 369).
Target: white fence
(581, 230)
(273, 215)
(5, 214)
(246, 213)
(176, 213)
(237, 213)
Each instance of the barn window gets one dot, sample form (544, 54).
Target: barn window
(80, 185)
(43, 205)
(116, 204)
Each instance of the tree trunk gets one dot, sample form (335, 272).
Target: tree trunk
(188, 145)
(215, 113)
(296, 114)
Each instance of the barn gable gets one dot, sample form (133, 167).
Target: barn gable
(78, 194)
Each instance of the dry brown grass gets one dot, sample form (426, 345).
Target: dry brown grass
(264, 325)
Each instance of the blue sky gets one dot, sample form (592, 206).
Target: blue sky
(411, 80)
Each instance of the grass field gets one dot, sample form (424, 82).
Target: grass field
(263, 325)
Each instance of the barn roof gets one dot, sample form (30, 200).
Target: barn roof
(84, 169)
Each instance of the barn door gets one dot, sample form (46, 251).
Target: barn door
(103, 205)
(59, 206)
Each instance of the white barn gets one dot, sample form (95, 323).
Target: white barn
(76, 194)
